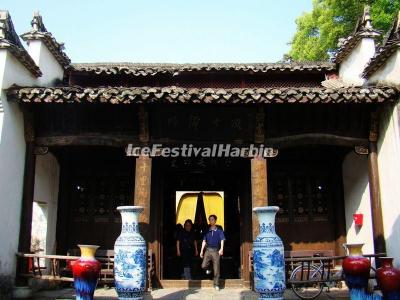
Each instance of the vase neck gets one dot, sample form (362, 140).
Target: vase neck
(266, 219)
(386, 262)
(355, 249)
(129, 219)
(88, 251)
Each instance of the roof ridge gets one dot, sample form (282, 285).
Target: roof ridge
(393, 34)
(9, 40)
(39, 32)
(143, 69)
(171, 94)
(363, 29)
(390, 43)
(201, 64)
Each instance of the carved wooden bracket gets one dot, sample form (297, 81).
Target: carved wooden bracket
(143, 125)
(361, 150)
(259, 131)
(41, 150)
(374, 129)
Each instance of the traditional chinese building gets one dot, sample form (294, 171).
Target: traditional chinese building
(65, 127)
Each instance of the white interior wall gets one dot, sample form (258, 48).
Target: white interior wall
(47, 174)
(389, 175)
(51, 69)
(12, 160)
(389, 73)
(351, 67)
(357, 200)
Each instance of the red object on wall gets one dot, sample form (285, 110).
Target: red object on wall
(358, 219)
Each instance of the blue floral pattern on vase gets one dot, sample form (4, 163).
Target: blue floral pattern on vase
(268, 257)
(130, 256)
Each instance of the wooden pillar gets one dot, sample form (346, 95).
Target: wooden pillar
(245, 225)
(27, 199)
(375, 196)
(374, 188)
(142, 192)
(258, 188)
(338, 207)
(28, 184)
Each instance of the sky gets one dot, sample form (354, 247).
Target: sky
(170, 31)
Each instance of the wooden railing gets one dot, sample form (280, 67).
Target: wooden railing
(58, 267)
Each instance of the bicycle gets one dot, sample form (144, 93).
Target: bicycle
(308, 282)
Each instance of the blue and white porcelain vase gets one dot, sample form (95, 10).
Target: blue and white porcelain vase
(130, 256)
(268, 256)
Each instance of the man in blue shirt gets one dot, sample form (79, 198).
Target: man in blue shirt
(214, 240)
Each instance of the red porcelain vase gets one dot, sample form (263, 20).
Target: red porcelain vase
(388, 278)
(86, 271)
(356, 268)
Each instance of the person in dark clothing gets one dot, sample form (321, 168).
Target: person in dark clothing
(214, 240)
(186, 248)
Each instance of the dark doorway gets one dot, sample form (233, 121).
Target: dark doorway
(216, 174)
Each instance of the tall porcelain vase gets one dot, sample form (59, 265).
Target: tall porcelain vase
(130, 256)
(268, 256)
(86, 271)
(356, 268)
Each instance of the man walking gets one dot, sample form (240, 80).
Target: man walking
(214, 240)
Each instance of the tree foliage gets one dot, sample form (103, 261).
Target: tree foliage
(318, 31)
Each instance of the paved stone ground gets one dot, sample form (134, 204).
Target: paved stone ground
(187, 294)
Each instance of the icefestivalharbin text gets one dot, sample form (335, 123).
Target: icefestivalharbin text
(189, 150)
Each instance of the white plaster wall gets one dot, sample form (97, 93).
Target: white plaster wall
(47, 174)
(389, 175)
(357, 200)
(351, 68)
(389, 73)
(51, 69)
(12, 160)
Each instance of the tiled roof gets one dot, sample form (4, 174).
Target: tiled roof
(176, 69)
(363, 29)
(39, 32)
(389, 45)
(120, 95)
(9, 40)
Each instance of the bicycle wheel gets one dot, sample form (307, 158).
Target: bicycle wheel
(307, 290)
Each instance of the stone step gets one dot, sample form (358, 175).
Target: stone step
(225, 283)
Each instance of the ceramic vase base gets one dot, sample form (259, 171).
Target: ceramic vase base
(130, 296)
(361, 294)
(392, 296)
(269, 297)
(356, 282)
(84, 297)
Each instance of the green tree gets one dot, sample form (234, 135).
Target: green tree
(318, 31)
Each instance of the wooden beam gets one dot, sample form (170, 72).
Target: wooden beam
(88, 139)
(121, 140)
(315, 139)
(112, 140)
